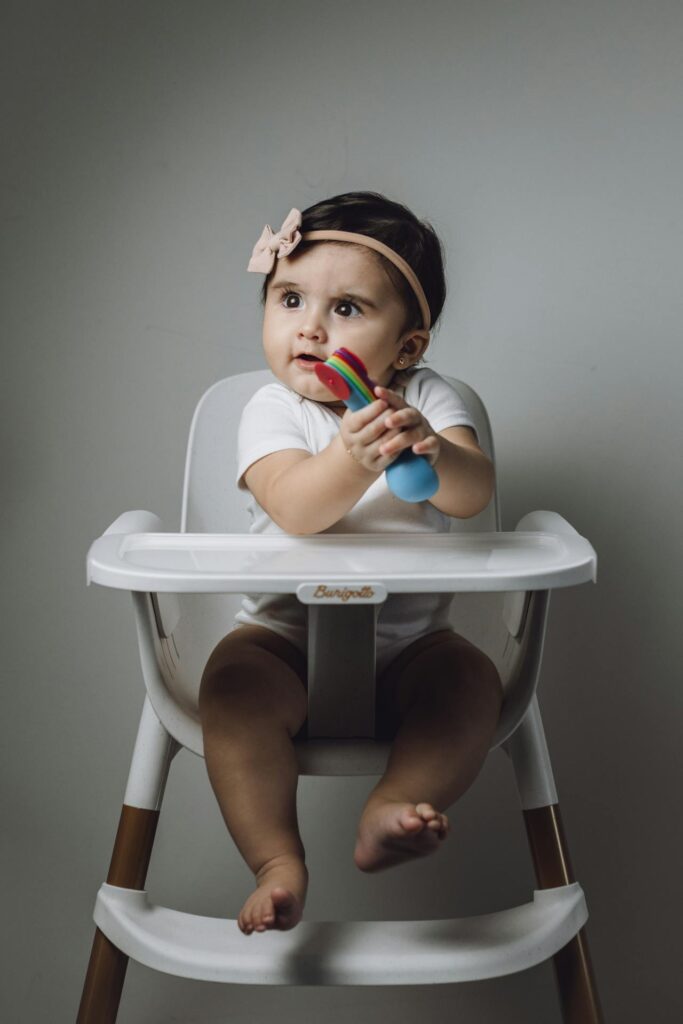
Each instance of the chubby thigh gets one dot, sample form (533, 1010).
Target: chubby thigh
(241, 667)
(431, 665)
(256, 670)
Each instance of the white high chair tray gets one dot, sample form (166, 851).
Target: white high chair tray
(401, 562)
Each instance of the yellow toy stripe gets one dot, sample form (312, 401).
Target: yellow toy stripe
(352, 377)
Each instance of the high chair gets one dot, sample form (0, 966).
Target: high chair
(342, 580)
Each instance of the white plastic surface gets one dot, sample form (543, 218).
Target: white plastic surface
(342, 952)
(528, 750)
(154, 750)
(402, 562)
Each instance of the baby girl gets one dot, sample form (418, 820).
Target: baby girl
(362, 272)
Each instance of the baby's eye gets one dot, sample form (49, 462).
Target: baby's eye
(351, 305)
(286, 297)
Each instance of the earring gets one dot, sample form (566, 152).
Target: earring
(401, 361)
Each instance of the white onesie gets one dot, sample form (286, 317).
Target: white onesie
(276, 418)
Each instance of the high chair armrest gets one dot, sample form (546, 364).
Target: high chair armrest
(529, 559)
(165, 606)
(546, 522)
(137, 521)
(516, 603)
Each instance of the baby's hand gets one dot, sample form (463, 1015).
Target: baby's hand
(376, 439)
(364, 431)
(414, 431)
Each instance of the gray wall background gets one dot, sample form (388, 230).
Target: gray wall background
(146, 144)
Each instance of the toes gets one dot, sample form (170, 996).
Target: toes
(432, 817)
(261, 926)
(423, 814)
(426, 811)
(411, 822)
(259, 916)
(265, 915)
(279, 908)
(434, 821)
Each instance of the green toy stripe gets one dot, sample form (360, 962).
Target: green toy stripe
(351, 377)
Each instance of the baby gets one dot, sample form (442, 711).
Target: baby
(365, 274)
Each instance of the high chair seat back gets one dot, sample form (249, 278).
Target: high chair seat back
(212, 503)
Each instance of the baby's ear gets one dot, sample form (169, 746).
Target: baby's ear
(416, 344)
(414, 350)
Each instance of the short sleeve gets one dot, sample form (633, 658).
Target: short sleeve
(270, 422)
(438, 401)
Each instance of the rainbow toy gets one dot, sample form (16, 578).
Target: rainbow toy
(410, 476)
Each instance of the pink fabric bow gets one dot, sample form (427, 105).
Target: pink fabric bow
(279, 244)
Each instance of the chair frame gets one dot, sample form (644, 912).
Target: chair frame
(340, 741)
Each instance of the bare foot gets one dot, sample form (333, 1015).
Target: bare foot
(278, 901)
(391, 831)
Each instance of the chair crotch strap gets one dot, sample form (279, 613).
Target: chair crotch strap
(342, 622)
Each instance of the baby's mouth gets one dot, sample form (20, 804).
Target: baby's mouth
(307, 363)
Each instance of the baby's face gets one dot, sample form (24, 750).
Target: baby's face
(330, 297)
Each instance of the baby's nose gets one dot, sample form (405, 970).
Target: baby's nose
(313, 323)
(314, 332)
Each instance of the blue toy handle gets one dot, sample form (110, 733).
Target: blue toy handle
(410, 476)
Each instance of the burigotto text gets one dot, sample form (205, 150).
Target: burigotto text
(344, 594)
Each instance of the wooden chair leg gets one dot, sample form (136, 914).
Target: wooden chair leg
(573, 969)
(128, 869)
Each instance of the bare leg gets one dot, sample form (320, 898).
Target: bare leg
(444, 696)
(252, 702)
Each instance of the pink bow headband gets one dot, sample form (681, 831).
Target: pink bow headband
(281, 243)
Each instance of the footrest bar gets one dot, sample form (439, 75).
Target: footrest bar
(342, 952)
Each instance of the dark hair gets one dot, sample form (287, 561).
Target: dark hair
(370, 213)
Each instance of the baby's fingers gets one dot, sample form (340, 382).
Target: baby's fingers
(430, 447)
(359, 419)
(403, 418)
(390, 397)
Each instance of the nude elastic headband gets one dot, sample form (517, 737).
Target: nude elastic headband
(281, 243)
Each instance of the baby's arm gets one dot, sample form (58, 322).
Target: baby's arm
(306, 493)
(466, 474)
